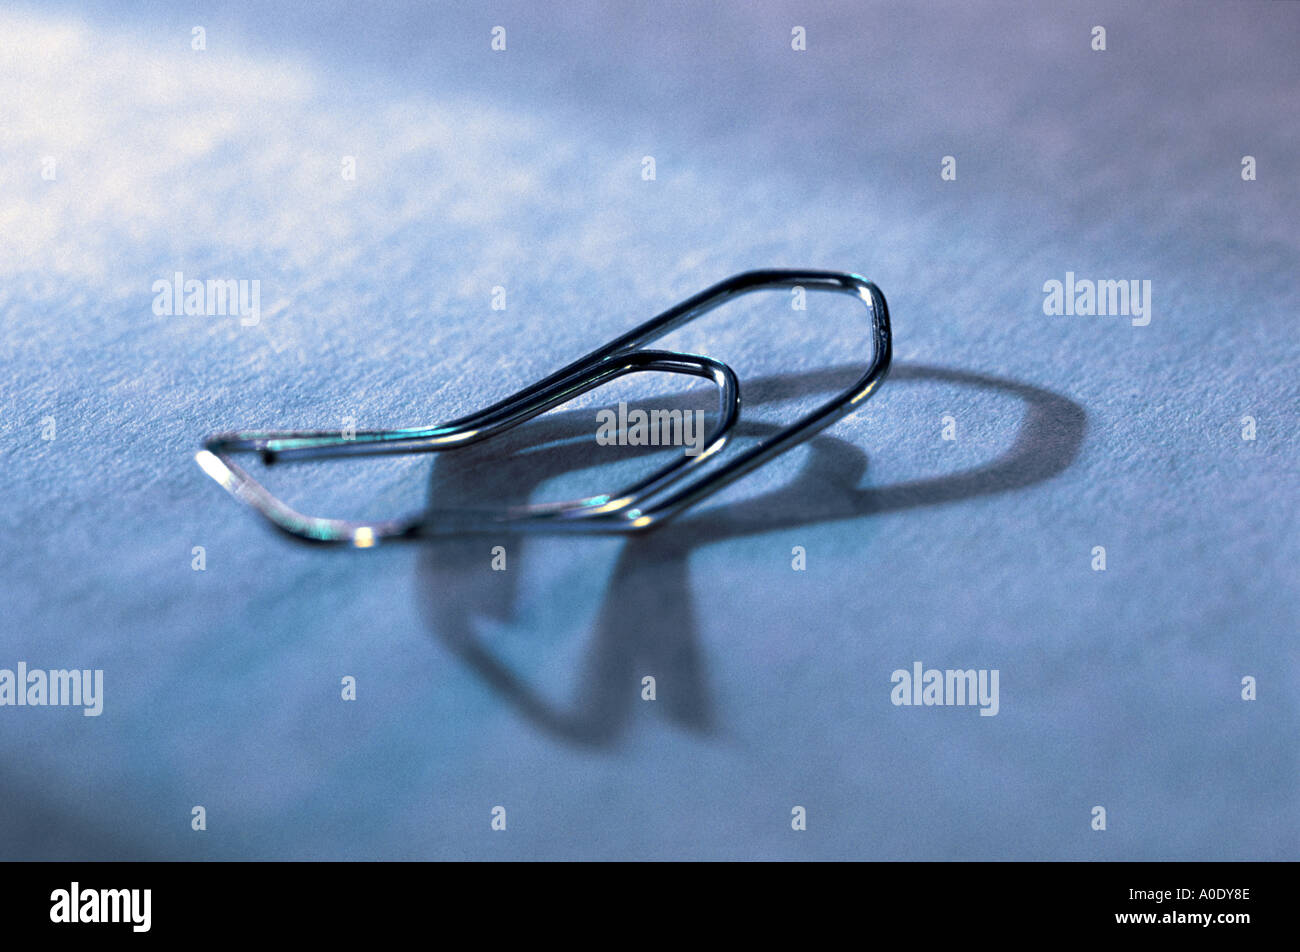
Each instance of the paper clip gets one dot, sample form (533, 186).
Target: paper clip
(664, 493)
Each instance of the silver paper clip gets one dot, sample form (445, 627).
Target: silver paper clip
(646, 503)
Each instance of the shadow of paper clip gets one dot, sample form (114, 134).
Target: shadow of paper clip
(648, 502)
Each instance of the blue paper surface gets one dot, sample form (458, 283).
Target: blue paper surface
(523, 170)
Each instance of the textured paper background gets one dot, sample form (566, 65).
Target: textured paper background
(522, 169)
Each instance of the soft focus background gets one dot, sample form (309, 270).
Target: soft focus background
(522, 169)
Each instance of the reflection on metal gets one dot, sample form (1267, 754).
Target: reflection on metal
(663, 493)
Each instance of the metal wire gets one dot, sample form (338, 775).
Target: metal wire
(648, 502)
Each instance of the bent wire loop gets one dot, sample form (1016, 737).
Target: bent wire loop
(665, 492)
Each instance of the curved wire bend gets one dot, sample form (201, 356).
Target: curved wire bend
(665, 492)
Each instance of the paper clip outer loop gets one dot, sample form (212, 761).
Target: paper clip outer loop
(648, 502)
